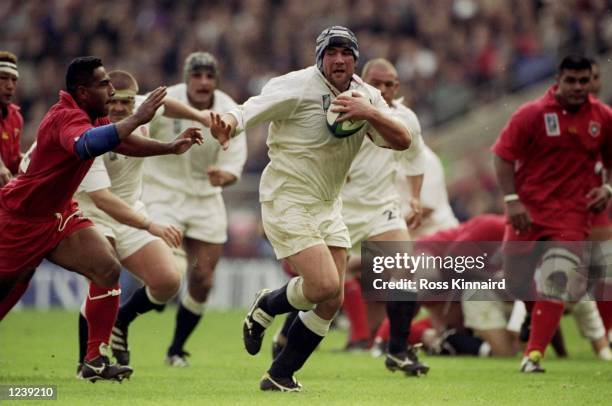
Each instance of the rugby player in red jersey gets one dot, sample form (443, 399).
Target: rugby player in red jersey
(11, 121)
(39, 219)
(544, 160)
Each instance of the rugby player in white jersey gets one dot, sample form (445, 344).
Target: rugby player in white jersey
(300, 188)
(186, 192)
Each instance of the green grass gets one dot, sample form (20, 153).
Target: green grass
(40, 348)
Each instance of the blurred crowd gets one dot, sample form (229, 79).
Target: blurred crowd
(451, 55)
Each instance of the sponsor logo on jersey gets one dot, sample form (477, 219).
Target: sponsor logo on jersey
(552, 124)
(594, 128)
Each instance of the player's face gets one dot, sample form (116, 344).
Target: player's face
(385, 80)
(200, 89)
(573, 87)
(120, 108)
(338, 66)
(97, 95)
(8, 86)
(595, 80)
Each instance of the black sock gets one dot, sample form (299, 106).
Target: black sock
(464, 344)
(83, 336)
(277, 302)
(301, 342)
(186, 322)
(400, 314)
(288, 322)
(139, 303)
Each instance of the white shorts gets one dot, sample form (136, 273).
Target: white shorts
(486, 315)
(128, 239)
(293, 227)
(364, 222)
(200, 218)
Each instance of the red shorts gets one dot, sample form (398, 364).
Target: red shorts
(25, 242)
(525, 242)
(601, 219)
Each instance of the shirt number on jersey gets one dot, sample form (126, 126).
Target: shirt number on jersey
(390, 215)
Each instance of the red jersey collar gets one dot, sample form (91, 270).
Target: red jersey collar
(67, 99)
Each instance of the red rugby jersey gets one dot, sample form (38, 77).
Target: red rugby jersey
(555, 151)
(11, 128)
(55, 169)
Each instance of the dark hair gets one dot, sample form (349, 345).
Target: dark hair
(575, 62)
(80, 72)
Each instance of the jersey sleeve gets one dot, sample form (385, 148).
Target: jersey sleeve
(412, 160)
(96, 178)
(70, 127)
(514, 138)
(278, 100)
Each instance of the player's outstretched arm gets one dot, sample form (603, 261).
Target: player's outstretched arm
(357, 107)
(177, 109)
(222, 128)
(119, 210)
(136, 145)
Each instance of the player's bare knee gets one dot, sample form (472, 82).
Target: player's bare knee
(166, 287)
(324, 290)
(106, 271)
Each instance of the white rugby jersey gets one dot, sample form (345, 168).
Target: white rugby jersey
(307, 163)
(371, 180)
(186, 173)
(433, 195)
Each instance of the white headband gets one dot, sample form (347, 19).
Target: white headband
(9, 67)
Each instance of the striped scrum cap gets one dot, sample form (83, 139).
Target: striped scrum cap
(336, 36)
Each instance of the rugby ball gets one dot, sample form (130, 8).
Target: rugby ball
(345, 128)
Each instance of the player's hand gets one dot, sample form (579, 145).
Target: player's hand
(413, 219)
(170, 234)
(5, 175)
(356, 107)
(518, 215)
(205, 118)
(186, 139)
(598, 199)
(149, 106)
(218, 177)
(220, 129)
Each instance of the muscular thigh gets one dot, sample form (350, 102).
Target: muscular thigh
(83, 251)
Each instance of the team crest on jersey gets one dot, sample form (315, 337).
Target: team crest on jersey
(177, 126)
(594, 128)
(552, 124)
(326, 102)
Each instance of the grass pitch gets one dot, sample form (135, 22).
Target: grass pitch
(39, 348)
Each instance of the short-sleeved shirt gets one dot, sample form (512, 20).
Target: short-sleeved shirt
(55, 170)
(554, 151)
(11, 127)
(307, 163)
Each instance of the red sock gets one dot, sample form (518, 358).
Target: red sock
(100, 314)
(545, 318)
(383, 331)
(605, 311)
(417, 329)
(12, 298)
(355, 310)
